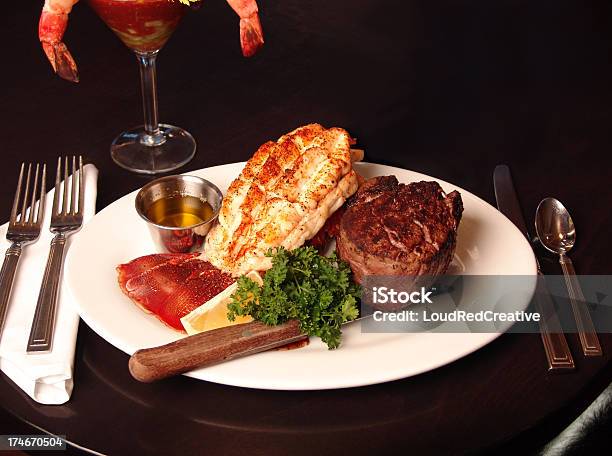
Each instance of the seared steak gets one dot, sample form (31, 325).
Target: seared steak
(390, 228)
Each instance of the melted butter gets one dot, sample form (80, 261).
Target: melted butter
(179, 211)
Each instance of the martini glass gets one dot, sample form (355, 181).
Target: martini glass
(145, 26)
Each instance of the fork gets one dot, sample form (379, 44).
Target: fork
(24, 228)
(64, 221)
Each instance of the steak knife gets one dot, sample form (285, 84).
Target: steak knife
(213, 347)
(558, 354)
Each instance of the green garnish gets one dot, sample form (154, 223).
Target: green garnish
(304, 285)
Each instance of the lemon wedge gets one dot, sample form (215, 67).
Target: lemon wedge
(213, 313)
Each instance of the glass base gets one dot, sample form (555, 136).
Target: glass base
(139, 152)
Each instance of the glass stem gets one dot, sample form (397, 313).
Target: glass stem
(148, 83)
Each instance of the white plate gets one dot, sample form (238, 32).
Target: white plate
(488, 243)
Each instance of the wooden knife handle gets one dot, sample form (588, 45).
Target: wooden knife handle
(211, 347)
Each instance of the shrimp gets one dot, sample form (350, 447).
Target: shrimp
(51, 28)
(251, 34)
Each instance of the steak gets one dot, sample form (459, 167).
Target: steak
(394, 229)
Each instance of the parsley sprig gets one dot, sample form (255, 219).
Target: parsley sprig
(316, 290)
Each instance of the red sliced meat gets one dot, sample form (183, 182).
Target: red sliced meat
(171, 285)
(143, 264)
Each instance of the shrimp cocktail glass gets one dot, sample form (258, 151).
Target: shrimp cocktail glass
(144, 26)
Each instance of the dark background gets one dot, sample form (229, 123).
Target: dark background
(447, 88)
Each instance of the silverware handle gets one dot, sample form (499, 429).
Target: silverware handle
(7, 274)
(558, 354)
(41, 335)
(584, 323)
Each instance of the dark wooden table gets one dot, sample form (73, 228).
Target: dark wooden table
(447, 88)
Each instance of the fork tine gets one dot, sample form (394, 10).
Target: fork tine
(24, 203)
(73, 187)
(55, 208)
(65, 202)
(33, 203)
(43, 196)
(17, 193)
(81, 185)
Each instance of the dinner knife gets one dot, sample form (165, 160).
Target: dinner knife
(558, 354)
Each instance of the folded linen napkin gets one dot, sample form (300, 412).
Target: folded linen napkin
(46, 377)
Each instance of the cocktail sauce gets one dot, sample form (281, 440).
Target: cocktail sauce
(143, 25)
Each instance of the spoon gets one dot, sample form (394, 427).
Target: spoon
(556, 232)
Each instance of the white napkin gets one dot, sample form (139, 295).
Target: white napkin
(47, 377)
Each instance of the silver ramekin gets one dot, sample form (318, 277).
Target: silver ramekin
(179, 239)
